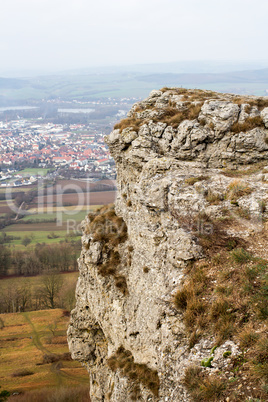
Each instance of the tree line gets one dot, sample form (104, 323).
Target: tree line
(60, 257)
(51, 291)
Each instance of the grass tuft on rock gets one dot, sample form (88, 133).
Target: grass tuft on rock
(136, 373)
(111, 231)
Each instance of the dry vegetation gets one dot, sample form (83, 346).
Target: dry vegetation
(170, 115)
(192, 94)
(173, 117)
(244, 171)
(136, 373)
(132, 122)
(193, 100)
(226, 296)
(61, 394)
(260, 103)
(35, 361)
(192, 180)
(111, 231)
(249, 124)
(236, 189)
(201, 387)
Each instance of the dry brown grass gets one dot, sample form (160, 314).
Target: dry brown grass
(249, 124)
(203, 388)
(261, 103)
(62, 394)
(132, 122)
(23, 347)
(238, 188)
(135, 372)
(173, 117)
(226, 296)
(170, 115)
(244, 170)
(111, 230)
(213, 198)
(192, 180)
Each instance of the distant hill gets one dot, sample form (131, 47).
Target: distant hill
(248, 76)
(12, 83)
(119, 83)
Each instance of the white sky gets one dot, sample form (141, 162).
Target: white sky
(64, 34)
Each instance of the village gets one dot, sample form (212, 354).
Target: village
(75, 150)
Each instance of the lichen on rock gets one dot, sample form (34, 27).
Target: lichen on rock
(177, 154)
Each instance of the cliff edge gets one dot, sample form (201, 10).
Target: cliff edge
(170, 301)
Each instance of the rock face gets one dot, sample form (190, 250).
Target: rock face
(171, 153)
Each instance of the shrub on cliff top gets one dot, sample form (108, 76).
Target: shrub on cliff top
(249, 124)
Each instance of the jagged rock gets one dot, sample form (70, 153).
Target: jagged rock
(264, 115)
(222, 114)
(169, 173)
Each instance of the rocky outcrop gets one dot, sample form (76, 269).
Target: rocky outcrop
(174, 154)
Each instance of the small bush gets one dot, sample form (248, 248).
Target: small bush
(22, 373)
(181, 298)
(262, 206)
(236, 189)
(66, 313)
(110, 230)
(241, 256)
(192, 180)
(192, 377)
(132, 122)
(213, 198)
(53, 358)
(121, 283)
(135, 372)
(203, 388)
(249, 124)
(4, 394)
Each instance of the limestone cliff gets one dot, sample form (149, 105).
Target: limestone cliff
(192, 177)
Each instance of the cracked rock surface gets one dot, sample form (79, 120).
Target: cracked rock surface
(157, 163)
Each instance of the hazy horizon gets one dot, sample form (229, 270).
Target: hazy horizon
(178, 67)
(50, 36)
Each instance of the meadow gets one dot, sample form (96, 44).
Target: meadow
(34, 352)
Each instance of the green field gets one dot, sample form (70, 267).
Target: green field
(77, 216)
(36, 237)
(33, 171)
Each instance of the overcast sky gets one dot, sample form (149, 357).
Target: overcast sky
(65, 34)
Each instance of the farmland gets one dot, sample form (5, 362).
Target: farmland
(34, 352)
(57, 209)
(32, 336)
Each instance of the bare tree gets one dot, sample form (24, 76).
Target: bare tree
(50, 288)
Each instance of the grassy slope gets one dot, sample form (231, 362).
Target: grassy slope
(25, 338)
